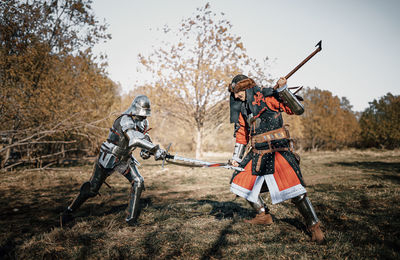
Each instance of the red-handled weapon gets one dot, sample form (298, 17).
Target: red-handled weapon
(319, 44)
(189, 162)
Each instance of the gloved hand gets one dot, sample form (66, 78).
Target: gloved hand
(145, 154)
(160, 154)
(235, 163)
(281, 82)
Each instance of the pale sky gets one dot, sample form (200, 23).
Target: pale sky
(360, 55)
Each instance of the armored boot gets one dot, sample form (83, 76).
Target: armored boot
(84, 194)
(66, 217)
(136, 191)
(306, 209)
(88, 190)
(263, 217)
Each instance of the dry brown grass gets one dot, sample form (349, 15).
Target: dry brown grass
(190, 213)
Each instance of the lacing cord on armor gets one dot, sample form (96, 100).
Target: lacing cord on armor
(114, 131)
(278, 134)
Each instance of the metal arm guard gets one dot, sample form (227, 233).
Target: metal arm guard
(290, 100)
(137, 139)
(238, 152)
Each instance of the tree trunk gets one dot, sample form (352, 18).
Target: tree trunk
(198, 143)
(313, 140)
(7, 155)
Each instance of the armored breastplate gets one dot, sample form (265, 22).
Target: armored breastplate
(116, 135)
(117, 141)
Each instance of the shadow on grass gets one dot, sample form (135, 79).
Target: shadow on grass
(188, 208)
(296, 222)
(182, 210)
(214, 252)
(224, 209)
(364, 216)
(23, 215)
(381, 170)
(153, 241)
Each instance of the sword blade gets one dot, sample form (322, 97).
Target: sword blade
(176, 159)
(190, 160)
(226, 166)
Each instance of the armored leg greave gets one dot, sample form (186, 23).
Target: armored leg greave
(306, 209)
(260, 205)
(89, 189)
(137, 186)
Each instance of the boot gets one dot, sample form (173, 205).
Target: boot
(260, 219)
(66, 217)
(306, 209)
(316, 233)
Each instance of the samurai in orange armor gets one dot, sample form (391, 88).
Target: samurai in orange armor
(265, 150)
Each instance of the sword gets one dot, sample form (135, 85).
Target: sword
(183, 161)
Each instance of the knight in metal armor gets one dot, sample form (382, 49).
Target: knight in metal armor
(265, 150)
(129, 131)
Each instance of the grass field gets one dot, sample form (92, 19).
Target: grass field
(190, 213)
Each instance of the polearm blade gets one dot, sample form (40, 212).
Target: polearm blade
(319, 45)
(176, 159)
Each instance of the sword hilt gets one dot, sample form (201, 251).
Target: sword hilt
(167, 155)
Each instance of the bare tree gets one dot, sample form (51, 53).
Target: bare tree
(191, 75)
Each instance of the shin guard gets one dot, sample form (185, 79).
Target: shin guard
(259, 206)
(306, 209)
(134, 197)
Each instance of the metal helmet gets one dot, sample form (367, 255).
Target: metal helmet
(140, 106)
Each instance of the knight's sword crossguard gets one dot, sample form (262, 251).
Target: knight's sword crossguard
(166, 151)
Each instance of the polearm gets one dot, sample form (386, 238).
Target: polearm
(319, 44)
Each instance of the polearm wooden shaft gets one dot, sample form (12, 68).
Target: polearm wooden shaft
(319, 44)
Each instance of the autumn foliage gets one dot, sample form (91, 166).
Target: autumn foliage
(328, 122)
(54, 93)
(380, 123)
(57, 101)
